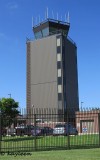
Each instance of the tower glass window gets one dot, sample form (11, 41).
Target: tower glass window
(59, 80)
(58, 49)
(59, 64)
(45, 32)
(59, 72)
(58, 41)
(38, 35)
(59, 57)
(59, 88)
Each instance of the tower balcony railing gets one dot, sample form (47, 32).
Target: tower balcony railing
(52, 20)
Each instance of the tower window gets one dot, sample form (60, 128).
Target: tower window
(45, 32)
(58, 49)
(59, 72)
(38, 35)
(58, 42)
(59, 80)
(59, 88)
(59, 57)
(59, 65)
(59, 96)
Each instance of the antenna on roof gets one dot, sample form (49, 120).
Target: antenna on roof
(65, 18)
(61, 17)
(39, 18)
(45, 15)
(36, 20)
(52, 15)
(47, 12)
(57, 16)
(68, 18)
(32, 22)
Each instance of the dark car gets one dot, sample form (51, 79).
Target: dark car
(70, 130)
(36, 131)
(24, 130)
(4, 131)
(46, 131)
(41, 131)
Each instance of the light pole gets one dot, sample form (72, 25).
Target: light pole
(81, 105)
(9, 95)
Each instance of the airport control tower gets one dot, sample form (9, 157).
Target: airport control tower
(52, 79)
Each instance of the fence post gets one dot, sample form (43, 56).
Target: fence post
(99, 127)
(68, 140)
(35, 145)
(0, 132)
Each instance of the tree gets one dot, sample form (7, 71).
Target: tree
(8, 110)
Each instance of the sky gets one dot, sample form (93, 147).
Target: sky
(16, 26)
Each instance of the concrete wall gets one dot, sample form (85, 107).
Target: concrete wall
(43, 73)
(88, 121)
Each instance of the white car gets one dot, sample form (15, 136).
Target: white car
(59, 129)
(65, 129)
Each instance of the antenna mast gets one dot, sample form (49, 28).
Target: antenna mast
(47, 13)
(39, 18)
(65, 17)
(68, 18)
(52, 15)
(32, 22)
(36, 20)
(57, 16)
(61, 17)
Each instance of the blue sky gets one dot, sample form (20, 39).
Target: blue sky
(16, 25)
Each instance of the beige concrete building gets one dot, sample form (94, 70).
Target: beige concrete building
(88, 122)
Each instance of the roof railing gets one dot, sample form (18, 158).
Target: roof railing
(52, 20)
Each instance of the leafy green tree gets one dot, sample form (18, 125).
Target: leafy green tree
(9, 111)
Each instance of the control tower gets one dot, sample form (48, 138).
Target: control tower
(52, 79)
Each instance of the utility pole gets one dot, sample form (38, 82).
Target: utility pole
(81, 105)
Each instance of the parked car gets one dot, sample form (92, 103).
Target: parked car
(36, 131)
(46, 131)
(4, 131)
(11, 132)
(70, 130)
(41, 131)
(59, 129)
(24, 130)
(64, 129)
(39, 121)
(8, 132)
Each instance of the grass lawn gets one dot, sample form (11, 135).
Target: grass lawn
(76, 154)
